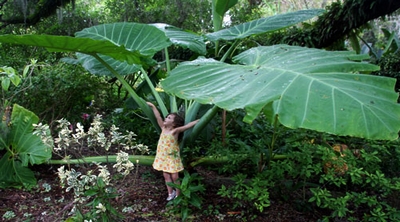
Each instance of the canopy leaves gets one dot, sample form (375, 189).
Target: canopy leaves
(263, 25)
(306, 88)
(70, 44)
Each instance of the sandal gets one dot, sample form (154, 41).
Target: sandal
(171, 196)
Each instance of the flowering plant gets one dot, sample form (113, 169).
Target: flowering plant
(93, 190)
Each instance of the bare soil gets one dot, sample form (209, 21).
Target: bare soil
(145, 192)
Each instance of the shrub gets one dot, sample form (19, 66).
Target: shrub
(65, 91)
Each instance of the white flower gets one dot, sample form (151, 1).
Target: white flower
(101, 208)
(61, 174)
(104, 174)
(123, 163)
(80, 132)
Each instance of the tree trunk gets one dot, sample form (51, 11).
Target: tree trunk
(339, 21)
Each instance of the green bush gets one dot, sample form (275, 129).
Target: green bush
(340, 177)
(248, 192)
(64, 91)
(390, 67)
(348, 183)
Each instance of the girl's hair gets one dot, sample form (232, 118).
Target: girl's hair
(178, 122)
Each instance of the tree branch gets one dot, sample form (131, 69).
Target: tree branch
(338, 22)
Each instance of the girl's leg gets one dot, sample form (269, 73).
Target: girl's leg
(168, 178)
(175, 177)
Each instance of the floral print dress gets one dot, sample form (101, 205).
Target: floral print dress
(167, 157)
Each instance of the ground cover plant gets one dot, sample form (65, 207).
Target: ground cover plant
(314, 182)
(264, 164)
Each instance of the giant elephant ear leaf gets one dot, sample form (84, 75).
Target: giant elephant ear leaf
(305, 88)
(183, 38)
(264, 25)
(71, 44)
(23, 149)
(142, 38)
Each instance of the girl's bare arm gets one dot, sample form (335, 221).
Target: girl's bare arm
(185, 127)
(156, 114)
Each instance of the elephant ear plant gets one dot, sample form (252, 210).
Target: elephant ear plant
(20, 148)
(295, 86)
(301, 88)
(120, 49)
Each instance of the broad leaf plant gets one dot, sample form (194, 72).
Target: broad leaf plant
(20, 148)
(295, 86)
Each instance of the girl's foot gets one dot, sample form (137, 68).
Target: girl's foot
(171, 195)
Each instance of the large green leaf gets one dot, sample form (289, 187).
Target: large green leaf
(263, 25)
(13, 174)
(29, 147)
(307, 88)
(92, 65)
(72, 44)
(142, 38)
(182, 38)
(220, 7)
(24, 149)
(146, 39)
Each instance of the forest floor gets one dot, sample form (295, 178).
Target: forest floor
(144, 192)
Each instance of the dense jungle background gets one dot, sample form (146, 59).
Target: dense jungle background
(77, 143)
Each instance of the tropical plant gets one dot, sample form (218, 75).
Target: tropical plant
(319, 174)
(253, 192)
(95, 191)
(190, 188)
(8, 75)
(21, 148)
(295, 86)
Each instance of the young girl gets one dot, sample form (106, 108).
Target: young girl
(167, 157)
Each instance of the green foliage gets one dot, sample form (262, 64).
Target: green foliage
(297, 106)
(66, 92)
(358, 183)
(132, 119)
(253, 192)
(240, 158)
(330, 176)
(101, 208)
(243, 11)
(21, 149)
(8, 76)
(190, 187)
(8, 215)
(166, 11)
(390, 67)
(137, 54)
(246, 146)
(92, 191)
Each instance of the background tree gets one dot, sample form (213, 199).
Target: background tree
(340, 21)
(173, 12)
(29, 12)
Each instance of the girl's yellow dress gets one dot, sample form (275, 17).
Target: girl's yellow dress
(167, 157)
